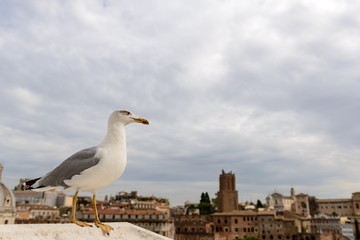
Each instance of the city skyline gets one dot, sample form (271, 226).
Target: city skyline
(265, 89)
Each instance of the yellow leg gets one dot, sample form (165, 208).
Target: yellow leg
(73, 220)
(106, 228)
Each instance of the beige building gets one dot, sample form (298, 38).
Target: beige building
(340, 206)
(50, 198)
(7, 203)
(30, 211)
(281, 203)
(308, 206)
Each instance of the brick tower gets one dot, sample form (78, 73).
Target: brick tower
(227, 196)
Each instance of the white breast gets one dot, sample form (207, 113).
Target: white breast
(110, 167)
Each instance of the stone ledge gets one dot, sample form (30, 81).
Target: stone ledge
(122, 231)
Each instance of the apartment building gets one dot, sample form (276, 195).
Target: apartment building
(306, 205)
(153, 220)
(195, 227)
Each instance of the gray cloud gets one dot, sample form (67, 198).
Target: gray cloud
(267, 89)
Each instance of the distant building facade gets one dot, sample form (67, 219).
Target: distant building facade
(307, 206)
(235, 224)
(40, 212)
(152, 220)
(50, 198)
(342, 206)
(150, 213)
(276, 227)
(195, 226)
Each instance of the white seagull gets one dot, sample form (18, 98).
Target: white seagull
(93, 168)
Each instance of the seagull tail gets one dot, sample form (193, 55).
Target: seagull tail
(28, 185)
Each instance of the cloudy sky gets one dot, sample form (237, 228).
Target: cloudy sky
(268, 89)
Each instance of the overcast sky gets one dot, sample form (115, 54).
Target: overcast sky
(267, 89)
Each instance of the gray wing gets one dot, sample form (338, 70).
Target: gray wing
(74, 165)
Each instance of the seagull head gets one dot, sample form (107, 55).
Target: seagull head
(125, 117)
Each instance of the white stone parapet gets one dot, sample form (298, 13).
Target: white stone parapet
(122, 231)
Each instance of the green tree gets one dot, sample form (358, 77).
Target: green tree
(205, 206)
(259, 204)
(205, 198)
(202, 197)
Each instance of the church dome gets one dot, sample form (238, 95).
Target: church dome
(7, 198)
(7, 203)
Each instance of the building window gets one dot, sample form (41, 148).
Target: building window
(236, 230)
(218, 221)
(236, 221)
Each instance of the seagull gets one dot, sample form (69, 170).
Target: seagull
(92, 168)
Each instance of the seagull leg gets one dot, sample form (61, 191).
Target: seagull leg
(73, 220)
(106, 228)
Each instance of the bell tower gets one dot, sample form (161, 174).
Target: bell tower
(227, 195)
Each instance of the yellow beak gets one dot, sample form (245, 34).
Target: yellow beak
(141, 120)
